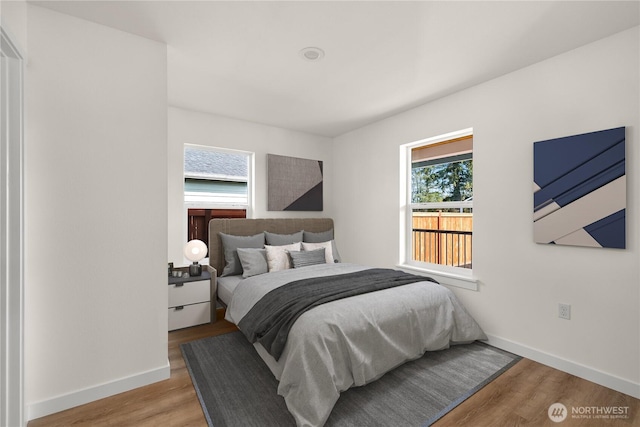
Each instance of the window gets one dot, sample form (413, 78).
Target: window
(217, 184)
(438, 205)
(216, 177)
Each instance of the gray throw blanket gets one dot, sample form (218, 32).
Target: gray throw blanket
(271, 318)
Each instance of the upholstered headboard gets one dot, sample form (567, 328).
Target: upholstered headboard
(249, 227)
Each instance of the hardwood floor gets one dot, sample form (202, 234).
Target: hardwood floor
(519, 397)
(522, 395)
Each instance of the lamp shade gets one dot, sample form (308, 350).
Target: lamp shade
(195, 250)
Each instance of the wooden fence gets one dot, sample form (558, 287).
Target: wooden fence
(443, 238)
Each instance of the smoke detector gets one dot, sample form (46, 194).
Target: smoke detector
(312, 54)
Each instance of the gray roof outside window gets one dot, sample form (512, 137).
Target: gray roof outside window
(210, 164)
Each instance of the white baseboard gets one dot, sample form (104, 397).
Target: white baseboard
(80, 397)
(590, 374)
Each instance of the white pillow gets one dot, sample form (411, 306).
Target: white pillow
(328, 251)
(278, 257)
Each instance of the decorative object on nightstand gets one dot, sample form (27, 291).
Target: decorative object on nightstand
(189, 299)
(195, 250)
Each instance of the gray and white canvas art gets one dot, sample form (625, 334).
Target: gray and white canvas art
(294, 184)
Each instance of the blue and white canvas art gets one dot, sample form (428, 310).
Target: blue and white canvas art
(580, 190)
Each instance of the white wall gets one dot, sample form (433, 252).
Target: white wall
(521, 283)
(188, 127)
(95, 202)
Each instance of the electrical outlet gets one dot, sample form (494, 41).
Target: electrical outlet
(564, 311)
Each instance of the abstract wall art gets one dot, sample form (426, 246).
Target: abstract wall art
(579, 194)
(294, 184)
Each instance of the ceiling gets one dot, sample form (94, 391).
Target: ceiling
(241, 59)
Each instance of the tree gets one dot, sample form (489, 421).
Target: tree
(423, 185)
(456, 179)
(444, 182)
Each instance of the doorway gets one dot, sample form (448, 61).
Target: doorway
(11, 234)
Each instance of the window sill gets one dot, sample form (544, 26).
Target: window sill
(446, 278)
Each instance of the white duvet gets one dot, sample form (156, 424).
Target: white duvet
(353, 341)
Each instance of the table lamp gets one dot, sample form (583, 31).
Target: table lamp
(194, 251)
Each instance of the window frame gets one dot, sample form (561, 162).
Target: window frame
(454, 276)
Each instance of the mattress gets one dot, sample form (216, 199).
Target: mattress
(226, 286)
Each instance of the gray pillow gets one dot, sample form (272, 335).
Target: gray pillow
(321, 237)
(253, 261)
(231, 243)
(274, 239)
(305, 258)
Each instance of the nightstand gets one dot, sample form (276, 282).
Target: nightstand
(190, 300)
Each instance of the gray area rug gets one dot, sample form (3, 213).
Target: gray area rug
(236, 388)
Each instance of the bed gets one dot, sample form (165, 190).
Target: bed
(345, 342)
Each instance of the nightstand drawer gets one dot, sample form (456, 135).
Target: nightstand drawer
(189, 315)
(189, 293)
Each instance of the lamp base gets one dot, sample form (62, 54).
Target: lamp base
(195, 269)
